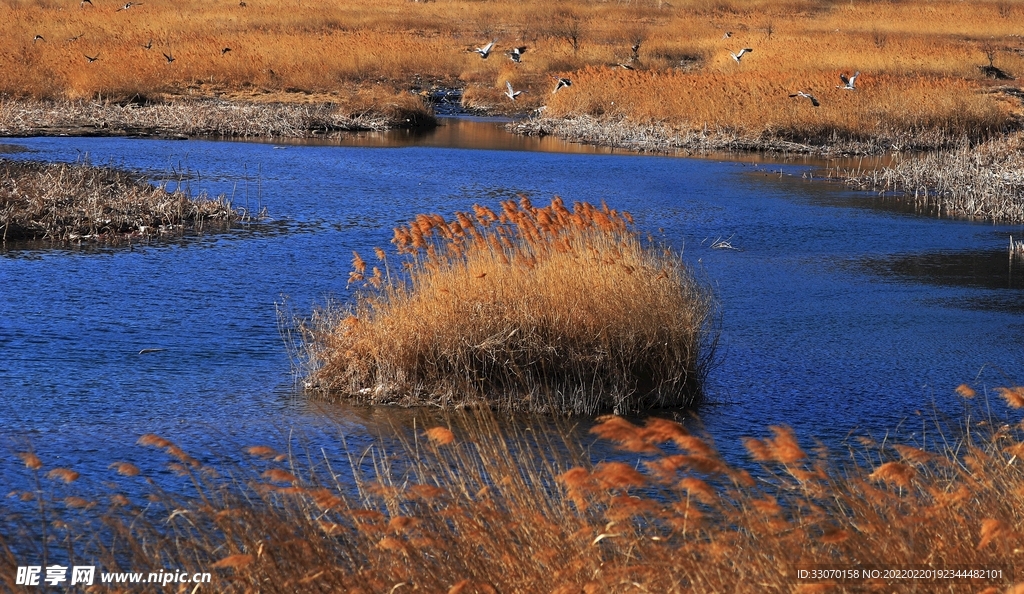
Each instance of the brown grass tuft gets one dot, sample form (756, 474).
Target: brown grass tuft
(261, 451)
(126, 468)
(896, 473)
(236, 561)
(31, 460)
(1013, 396)
(149, 439)
(65, 474)
(965, 391)
(991, 530)
(440, 435)
(280, 476)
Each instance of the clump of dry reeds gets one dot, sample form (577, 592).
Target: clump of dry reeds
(482, 506)
(983, 182)
(540, 309)
(62, 202)
(1016, 248)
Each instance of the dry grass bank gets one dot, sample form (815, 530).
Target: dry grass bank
(982, 182)
(539, 309)
(273, 115)
(925, 65)
(65, 202)
(480, 508)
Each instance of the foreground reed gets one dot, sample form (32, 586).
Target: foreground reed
(1016, 248)
(538, 309)
(64, 202)
(483, 506)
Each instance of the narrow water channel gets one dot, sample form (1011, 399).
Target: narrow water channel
(840, 313)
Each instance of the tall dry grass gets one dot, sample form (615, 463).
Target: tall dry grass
(62, 202)
(982, 182)
(921, 61)
(483, 506)
(532, 308)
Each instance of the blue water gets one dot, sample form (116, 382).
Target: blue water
(839, 313)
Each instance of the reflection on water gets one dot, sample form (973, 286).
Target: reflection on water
(989, 269)
(489, 133)
(458, 133)
(11, 148)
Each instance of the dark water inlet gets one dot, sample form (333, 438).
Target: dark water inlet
(836, 317)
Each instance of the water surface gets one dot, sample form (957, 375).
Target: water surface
(837, 317)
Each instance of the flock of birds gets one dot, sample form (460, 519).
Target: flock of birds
(148, 45)
(849, 84)
(516, 55)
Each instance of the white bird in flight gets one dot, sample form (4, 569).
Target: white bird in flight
(848, 83)
(814, 100)
(737, 57)
(510, 93)
(485, 50)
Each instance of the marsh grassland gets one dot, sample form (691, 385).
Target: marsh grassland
(541, 309)
(646, 75)
(482, 506)
(931, 72)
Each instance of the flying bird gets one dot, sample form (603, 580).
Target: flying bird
(738, 56)
(75, 38)
(627, 66)
(485, 50)
(727, 35)
(225, 50)
(510, 93)
(37, 38)
(814, 100)
(127, 6)
(84, 2)
(562, 82)
(169, 57)
(848, 83)
(91, 58)
(516, 54)
(148, 45)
